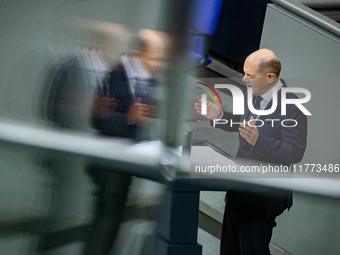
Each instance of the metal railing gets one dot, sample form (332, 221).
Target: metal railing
(321, 4)
(310, 15)
(98, 149)
(139, 163)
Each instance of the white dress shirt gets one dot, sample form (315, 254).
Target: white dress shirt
(135, 71)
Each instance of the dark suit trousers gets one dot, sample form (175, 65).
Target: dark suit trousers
(109, 209)
(249, 219)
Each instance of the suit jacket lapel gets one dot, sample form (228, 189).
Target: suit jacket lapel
(243, 142)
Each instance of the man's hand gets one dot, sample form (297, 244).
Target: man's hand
(103, 105)
(213, 111)
(137, 112)
(250, 133)
(151, 111)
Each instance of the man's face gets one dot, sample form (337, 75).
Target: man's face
(253, 79)
(153, 60)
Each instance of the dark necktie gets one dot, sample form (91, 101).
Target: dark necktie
(141, 89)
(256, 102)
(104, 85)
(144, 90)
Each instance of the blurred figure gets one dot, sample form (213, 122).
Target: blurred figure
(123, 103)
(70, 96)
(68, 104)
(127, 96)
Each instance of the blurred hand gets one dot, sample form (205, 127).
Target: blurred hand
(137, 112)
(213, 111)
(151, 112)
(103, 105)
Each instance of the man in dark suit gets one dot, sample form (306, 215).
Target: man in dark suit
(67, 103)
(71, 84)
(131, 85)
(124, 101)
(250, 216)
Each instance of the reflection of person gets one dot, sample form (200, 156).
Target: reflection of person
(250, 216)
(130, 85)
(69, 106)
(123, 102)
(76, 79)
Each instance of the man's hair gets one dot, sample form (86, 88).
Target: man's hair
(270, 66)
(138, 45)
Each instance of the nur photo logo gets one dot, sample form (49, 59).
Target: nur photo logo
(204, 97)
(239, 103)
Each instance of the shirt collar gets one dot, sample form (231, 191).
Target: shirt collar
(99, 63)
(90, 60)
(139, 68)
(134, 68)
(269, 94)
(130, 71)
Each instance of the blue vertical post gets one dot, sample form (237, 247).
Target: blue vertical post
(178, 218)
(178, 222)
(177, 18)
